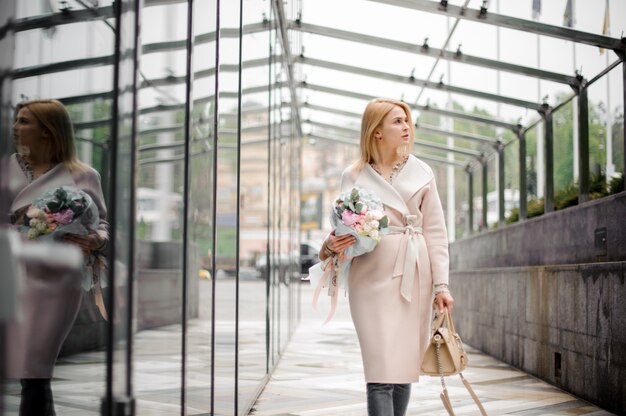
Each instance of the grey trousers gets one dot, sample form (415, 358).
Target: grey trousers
(386, 399)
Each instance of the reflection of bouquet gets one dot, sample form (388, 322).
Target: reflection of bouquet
(359, 212)
(64, 210)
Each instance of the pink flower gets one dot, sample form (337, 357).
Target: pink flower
(349, 218)
(63, 217)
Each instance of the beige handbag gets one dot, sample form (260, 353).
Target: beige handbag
(445, 356)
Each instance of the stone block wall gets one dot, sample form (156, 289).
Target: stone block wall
(547, 296)
(564, 324)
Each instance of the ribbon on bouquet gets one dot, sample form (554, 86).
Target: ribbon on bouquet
(329, 270)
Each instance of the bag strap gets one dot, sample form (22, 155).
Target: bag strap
(446, 402)
(474, 396)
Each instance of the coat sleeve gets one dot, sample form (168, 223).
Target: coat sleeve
(89, 181)
(435, 234)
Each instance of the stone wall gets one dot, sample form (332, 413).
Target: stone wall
(572, 236)
(535, 317)
(547, 296)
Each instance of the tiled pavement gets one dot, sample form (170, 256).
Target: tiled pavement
(320, 373)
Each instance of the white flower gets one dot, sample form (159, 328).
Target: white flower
(32, 233)
(376, 214)
(374, 224)
(374, 234)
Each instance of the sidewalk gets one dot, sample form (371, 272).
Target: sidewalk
(320, 373)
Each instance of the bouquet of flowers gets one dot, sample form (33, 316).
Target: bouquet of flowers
(358, 212)
(64, 210)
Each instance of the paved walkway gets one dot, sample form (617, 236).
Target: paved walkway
(320, 373)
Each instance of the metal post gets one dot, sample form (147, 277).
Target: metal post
(623, 130)
(470, 199)
(500, 149)
(485, 172)
(546, 112)
(523, 203)
(583, 142)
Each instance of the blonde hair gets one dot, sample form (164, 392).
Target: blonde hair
(53, 117)
(373, 116)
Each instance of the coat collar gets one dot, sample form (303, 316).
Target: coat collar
(413, 177)
(26, 192)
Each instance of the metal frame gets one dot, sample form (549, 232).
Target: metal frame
(484, 16)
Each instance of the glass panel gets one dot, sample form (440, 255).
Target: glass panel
(157, 346)
(535, 172)
(253, 203)
(84, 90)
(565, 186)
(200, 259)
(122, 181)
(605, 149)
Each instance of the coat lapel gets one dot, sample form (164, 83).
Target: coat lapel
(55, 177)
(369, 179)
(413, 177)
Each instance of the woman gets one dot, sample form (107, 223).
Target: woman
(46, 159)
(391, 288)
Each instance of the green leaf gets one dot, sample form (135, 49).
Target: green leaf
(383, 223)
(55, 206)
(358, 207)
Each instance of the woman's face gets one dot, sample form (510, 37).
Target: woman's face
(27, 132)
(394, 130)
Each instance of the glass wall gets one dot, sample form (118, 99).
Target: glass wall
(185, 111)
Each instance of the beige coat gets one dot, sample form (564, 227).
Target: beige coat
(49, 297)
(390, 289)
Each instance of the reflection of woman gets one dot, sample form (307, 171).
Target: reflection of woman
(46, 159)
(391, 289)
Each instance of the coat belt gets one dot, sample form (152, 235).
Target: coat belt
(408, 258)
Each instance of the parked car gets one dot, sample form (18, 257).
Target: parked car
(308, 256)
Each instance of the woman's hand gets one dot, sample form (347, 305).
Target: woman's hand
(339, 243)
(88, 243)
(444, 300)
(336, 244)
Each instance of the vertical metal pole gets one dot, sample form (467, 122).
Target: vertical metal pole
(485, 172)
(215, 127)
(546, 112)
(188, 128)
(500, 149)
(523, 202)
(7, 49)
(623, 130)
(583, 143)
(238, 210)
(470, 199)
(107, 404)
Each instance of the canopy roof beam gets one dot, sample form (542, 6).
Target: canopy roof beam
(412, 80)
(427, 50)
(509, 22)
(428, 109)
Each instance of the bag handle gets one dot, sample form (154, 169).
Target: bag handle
(446, 318)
